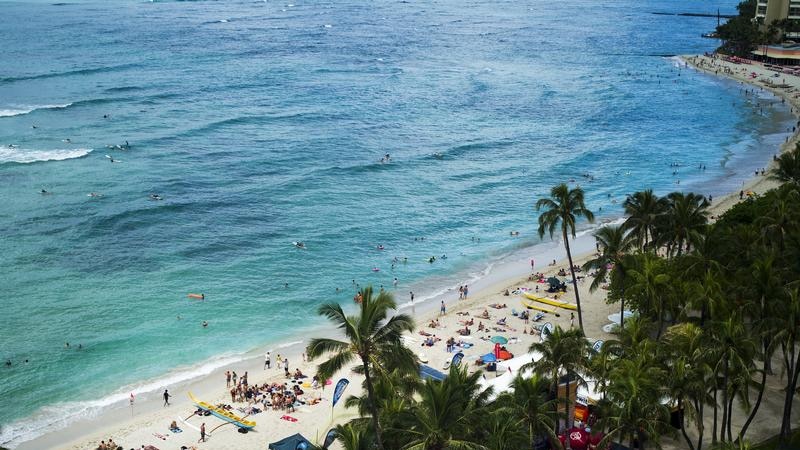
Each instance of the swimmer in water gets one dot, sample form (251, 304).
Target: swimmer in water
(156, 197)
(95, 194)
(205, 324)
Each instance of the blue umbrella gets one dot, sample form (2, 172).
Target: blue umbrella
(489, 357)
(499, 340)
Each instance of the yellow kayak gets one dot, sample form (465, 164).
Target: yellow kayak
(223, 414)
(530, 304)
(551, 302)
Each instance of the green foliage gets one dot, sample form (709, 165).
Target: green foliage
(740, 35)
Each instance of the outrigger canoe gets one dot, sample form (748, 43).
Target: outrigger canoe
(223, 414)
(550, 301)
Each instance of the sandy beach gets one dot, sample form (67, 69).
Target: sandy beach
(146, 421)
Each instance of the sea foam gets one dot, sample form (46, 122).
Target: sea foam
(26, 156)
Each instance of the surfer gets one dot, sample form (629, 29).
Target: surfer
(299, 244)
(156, 197)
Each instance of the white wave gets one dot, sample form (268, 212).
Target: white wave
(11, 111)
(288, 344)
(25, 156)
(60, 415)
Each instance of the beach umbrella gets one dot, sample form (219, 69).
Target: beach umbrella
(499, 340)
(488, 358)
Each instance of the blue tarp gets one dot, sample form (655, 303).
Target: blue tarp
(429, 372)
(489, 357)
(293, 442)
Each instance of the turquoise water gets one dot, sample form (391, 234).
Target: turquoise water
(263, 123)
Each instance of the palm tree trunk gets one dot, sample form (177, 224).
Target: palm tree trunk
(716, 408)
(622, 305)
(791, 386)
(574, 279)
(758, 399)
(724, 401)
(730, 417)
(373, 406)
(700, 425)
(683, 426)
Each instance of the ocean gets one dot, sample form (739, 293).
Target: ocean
(259, 124)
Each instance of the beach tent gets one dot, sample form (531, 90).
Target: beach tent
(293, 442)
(429, 372)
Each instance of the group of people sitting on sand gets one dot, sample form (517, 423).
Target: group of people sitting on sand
(110, 445)
(276, 395)
(434, 324)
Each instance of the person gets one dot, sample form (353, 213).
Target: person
(532, 264)
(205, 324)
(394, 282)
(572, 320)
(442, 309)
(412, 296)
(227, 378)
(166, 397)
(267, 361)
(466, 291)
(202, 432)
(173, 425)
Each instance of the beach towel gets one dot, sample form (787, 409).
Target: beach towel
(289, 418)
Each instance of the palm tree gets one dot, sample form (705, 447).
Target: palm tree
(684, 221)
(634, 404)
(766, 294)
(447, 410)
(736, 349)
(614, 242)
(371, 338)
(689, 356)
(649, 284)
(643, 209)
(782, 216)
(788, 338)
(561, 210)
(562, 351)
(354, 437)
(787, 169)
(530, 403)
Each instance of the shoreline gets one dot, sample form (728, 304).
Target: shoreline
(129, 422)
